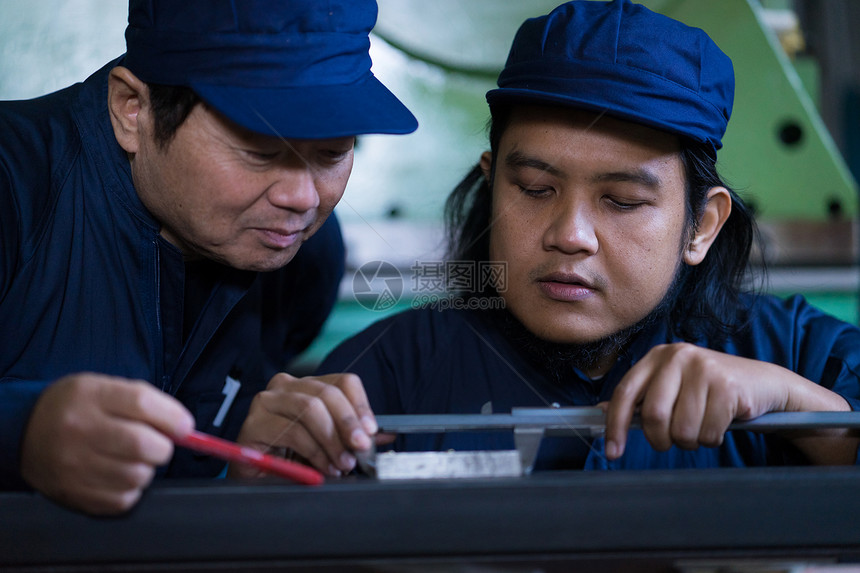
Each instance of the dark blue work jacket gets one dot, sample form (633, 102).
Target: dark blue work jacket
(456, 361)
(87, 283)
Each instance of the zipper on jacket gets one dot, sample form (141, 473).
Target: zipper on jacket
(161, 376)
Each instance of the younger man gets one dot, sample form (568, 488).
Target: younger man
(625, 253)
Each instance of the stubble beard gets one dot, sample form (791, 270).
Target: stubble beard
(557, 359)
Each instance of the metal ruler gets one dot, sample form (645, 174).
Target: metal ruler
(530, 425)
(593, 421)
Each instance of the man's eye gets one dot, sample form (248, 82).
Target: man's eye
(535, 191)
(262, 155)
(335, 155)
(624, 205)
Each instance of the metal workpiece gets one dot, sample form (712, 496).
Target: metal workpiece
(574, 419)
(451, 464)
(529, 427)
(592, 421)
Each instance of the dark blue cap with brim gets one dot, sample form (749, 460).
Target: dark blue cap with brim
(624, 60)
(296, 69)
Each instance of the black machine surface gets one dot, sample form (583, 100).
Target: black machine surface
(681, 520)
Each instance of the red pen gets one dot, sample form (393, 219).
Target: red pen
(233, 452)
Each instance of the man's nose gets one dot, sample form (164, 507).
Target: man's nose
(295, 189)
(572, 229)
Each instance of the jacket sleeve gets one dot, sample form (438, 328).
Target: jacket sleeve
(9, 231)
(17, 399)
(828, 351)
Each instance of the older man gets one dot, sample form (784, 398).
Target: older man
(147, 219)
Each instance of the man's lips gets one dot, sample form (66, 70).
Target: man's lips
(566, 287)
(280, 238)
(572, 279)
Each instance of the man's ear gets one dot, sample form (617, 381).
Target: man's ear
(717, 211)
(127, 96)
(487, 164)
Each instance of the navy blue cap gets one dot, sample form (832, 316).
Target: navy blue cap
(292, 68)
(627, 61)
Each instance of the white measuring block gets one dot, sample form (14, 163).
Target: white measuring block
(450, 464)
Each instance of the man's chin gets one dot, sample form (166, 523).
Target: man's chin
(257, 262)
(574, 331)
(557, 350)
(567, 337)
(269, 266)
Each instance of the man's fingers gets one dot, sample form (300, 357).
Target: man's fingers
(141, 401)
(345, 400)
(717, 417)
(324, 419)
(353, 389)
(103, 485)
(658, 408)
(113, 488)
(304, 445)
(688, 416)
(303, 449)
(133, 441)
(93, 441)
(619, 411)
(329, 457)
(346, 417)
(652, 386)
(305, 419)
(112, 474)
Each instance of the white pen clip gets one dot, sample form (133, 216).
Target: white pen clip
(231, 388)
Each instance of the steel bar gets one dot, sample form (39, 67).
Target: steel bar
(591, 420)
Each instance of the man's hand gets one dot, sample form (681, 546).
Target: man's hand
(93, 441)
(322, 419)
(687, 396)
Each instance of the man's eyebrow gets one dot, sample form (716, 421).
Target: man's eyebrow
(642, 177)
(519, 160)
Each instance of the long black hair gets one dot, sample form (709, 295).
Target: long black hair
(708, 300)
